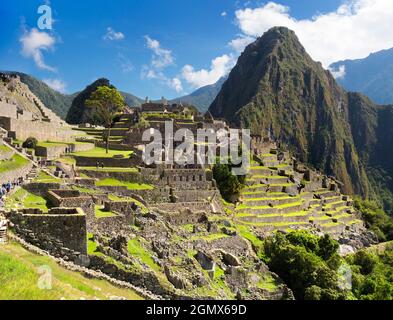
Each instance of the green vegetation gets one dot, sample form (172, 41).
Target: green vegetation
(101, 153)
(228, 184)
(376, 219)
(106, 103)
(308, 264)
(30, 143)
(109, 169)
(129, 185)
(16, 162)
(100, 212)
(136, 249)
(25, 199)
(372, 274)
(44, 177)
(22, 271)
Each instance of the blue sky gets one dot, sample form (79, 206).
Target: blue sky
(163, 47)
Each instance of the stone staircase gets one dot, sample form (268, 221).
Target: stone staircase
(3, 231)
(272, 200)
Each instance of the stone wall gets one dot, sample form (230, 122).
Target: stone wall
(61, 232)
(122, 176)
(55, 151)
(42, 131)
(108, 162)
(73, 199)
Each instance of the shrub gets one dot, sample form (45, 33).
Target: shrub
(228, 184)
(30, 143)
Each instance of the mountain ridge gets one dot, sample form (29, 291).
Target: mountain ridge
(372, 76)
(276, 89)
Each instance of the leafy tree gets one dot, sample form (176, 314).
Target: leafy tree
(107, 103)
(228, 184)
(308, 268)
(376, 219)
(30, 143)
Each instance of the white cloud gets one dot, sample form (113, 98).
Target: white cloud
(354, 30)
(176, 84)
(220, 66)
(173, 83)
(223, 14)
(338, 73)
(238, 44)
(113, 35)
(56, 84)
(34, 42)
(161, 57)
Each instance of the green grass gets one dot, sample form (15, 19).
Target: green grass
(101, 153)
(48, 144)
(109, 169)
(118, 183)
(101, 213)
(246, 233)
(135, 249)
(15, 162)
(44, 177)
(19, 278)
(4, 148)
(24, 199)
(67, 160)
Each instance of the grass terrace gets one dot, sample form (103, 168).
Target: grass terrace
(44, 177)
(24, 199)
(136, 249)
(101, 213)
(101, 153)
(16, 162)
(109, 169)
(118, 183)
(19, 278)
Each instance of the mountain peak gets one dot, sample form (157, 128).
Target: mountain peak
(277, 89)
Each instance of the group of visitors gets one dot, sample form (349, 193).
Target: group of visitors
(7, 187)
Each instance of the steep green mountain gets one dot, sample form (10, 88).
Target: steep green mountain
(372, 76)
(202, 97)
(277, 88)
(56, 101)
(372, 130)
(79, 113)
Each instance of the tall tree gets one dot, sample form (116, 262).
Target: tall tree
(107, 103)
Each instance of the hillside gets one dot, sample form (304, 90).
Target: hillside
(202, 97)
(79, 113)
(277, 89)
(372, 76)
(56, 101)
(19, 268)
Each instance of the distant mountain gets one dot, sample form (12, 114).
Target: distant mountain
(131, 100)
(203, 97)
(79, 113)
(277, 89)
(372, 76)
(56, 101)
